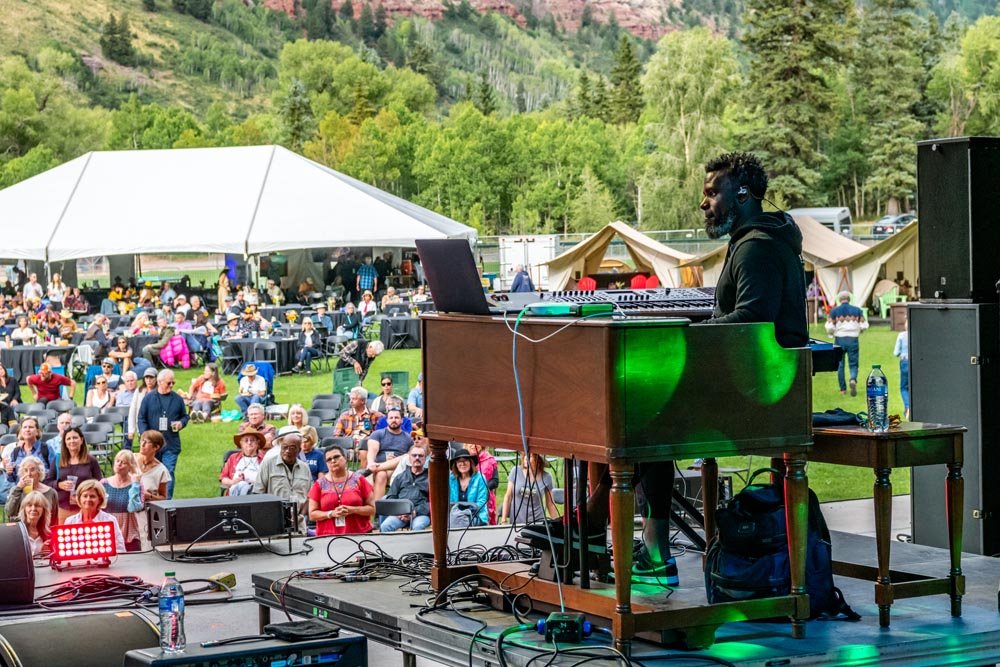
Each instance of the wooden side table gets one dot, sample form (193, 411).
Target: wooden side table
(912, 444)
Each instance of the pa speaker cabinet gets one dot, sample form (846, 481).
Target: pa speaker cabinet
(954, 373)
(173, 521)
(81, 640)
(17, 570)
(958, 192)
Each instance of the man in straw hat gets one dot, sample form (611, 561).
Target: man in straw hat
(253, 388)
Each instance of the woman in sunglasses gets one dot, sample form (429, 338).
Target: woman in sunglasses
(341, 502)
(99, 395)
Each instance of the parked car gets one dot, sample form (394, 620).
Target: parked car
(890, 224)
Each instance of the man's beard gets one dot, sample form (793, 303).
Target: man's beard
(716, 230)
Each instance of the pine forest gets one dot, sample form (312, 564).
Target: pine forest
(514, 125)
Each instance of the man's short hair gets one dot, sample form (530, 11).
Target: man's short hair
(844, 296)
(129, 375)
(744, 168)
(255, 407)
(359, 392)
(165, 374)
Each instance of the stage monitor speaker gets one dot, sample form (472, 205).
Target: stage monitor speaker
(17, 571)
(174, 521)
(957, 382)
(82, 640)
(957, 185)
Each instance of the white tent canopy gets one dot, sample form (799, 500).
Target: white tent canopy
(585, 257)
(840, 263)
(241, 200)
(821, 246)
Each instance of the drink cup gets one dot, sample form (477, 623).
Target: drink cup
(28, 488)
(72, 478)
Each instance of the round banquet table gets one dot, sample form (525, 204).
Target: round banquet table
(393, 330)
(21, 360)
(287, 347)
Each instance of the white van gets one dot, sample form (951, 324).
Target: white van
(837, 218)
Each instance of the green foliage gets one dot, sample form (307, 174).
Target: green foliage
(35, 161)
(791, 48)
(689, 82)
(346, 11)
(967, 83)
(890, 92)
(593, 207)
(149, 5)
(143, 126)
(485, 97)
(626, 91)
(116, 40)
(296, 116)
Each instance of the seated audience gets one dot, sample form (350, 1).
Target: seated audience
(367, 307)
(206, 393)
(379, 403)
(96, 331)
(166, 331)
(255, 421)
(285, 475)
(92, 499)
(322, 320)
(23, 332)
(351, 324)
(390, 297)
(341, 502)
(122, 353)
(125, 498)
(355, 422)
(420, 296)
(393, 402)
(232, 328)
(415, 401)
(310, 347)
(77, 303)
(45, 385)
(466, 485)
(253, 389)
(100, 396)
(36, 515)
(274, 295)
(30, 473)
(384, 445)
(529, 493)
(27, 444)
(240, 471)
(67, 327)
(410, 484)
(108, 371)
(490, 471)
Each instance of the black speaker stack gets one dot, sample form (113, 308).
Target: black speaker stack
(955, 331)
(222, 518)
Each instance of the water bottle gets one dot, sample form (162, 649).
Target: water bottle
(878, 400)
(171, 614)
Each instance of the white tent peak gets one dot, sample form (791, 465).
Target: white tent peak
(585, 257)
(238, 200)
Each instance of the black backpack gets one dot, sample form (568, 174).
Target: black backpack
(748, 557)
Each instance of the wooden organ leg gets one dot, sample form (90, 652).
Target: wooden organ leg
(796, 521)
(438, 491)
(622, 510)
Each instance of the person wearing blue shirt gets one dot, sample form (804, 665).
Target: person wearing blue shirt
(415, 400)
(466, 484)
(367, 277)
(522, 281)
(322, 320)
(845, 323)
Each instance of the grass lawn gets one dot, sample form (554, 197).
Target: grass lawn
(204, 444)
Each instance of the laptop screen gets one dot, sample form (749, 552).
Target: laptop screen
(452, 275)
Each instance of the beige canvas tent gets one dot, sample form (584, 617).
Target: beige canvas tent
(860, 271)
(585, 257)
(839, 262)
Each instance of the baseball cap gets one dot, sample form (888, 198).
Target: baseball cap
(149, 373)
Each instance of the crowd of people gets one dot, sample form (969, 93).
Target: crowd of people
(379, 450)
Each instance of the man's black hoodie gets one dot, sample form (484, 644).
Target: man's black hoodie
(763, 280)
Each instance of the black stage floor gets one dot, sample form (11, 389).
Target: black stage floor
(922, 631)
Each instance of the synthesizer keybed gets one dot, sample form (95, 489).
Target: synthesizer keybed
(695, 303)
